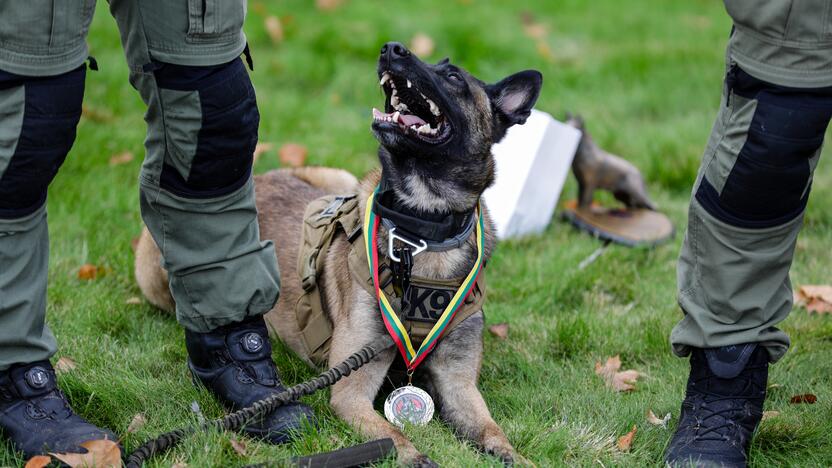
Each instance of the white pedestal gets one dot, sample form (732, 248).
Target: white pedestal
(533, 161)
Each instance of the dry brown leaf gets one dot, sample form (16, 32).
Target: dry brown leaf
(625, 441)
(818, 305)
(38, 461)
(100, 454)
(274, 28)
(620, 381)
(422, 45)
(239, 446)
(815, 298)
(652, 419)
(96, 115)
(121, 158)
(133, 301)
(805, 398)
(327, 5)
(87, 272)
(500, 330)
(292, 155)
(261, 149)
(137, 423)
(64, 365)
(770, 414)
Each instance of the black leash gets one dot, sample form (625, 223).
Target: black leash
(238, 419)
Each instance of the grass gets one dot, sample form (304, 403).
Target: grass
(646, 75)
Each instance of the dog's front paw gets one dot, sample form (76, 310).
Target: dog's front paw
(422, 461)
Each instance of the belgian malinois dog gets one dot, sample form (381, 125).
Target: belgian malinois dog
(435, 136)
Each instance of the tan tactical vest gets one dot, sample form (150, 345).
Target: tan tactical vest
(334, 215)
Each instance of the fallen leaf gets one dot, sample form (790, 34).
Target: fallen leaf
(239, 446)
(625, 441)
(652, 419)
(64, 365)
(133, 301)
(500, 330)
(38, 461)
(818, 305)
(620, 381)
(815, 298)
(87, 272)
(805, 398)
(274, 28)
(422, 45)
(327, 5)
(100, 454)
(292, 155)
(95, 114)
(261, 149)
(774, 385)
(770, 414)
(121, 158)
(137, 423)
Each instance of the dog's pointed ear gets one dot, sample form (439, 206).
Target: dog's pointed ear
(515, 95)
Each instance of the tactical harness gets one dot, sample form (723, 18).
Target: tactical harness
(419, 300)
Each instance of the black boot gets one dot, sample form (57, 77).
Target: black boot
(235, 363)
(35, 415)
(722, 408)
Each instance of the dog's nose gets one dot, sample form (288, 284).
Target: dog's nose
(394, 51)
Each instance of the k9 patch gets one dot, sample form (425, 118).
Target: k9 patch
(424, 304)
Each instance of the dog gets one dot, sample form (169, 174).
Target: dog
(435, 133)
(597, 169)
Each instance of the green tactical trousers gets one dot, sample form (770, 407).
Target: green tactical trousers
(756, 174)
(196, 190)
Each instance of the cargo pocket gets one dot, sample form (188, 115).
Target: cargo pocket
(209, 20)
(29, 27)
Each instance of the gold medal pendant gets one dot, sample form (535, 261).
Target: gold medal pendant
(408, 404)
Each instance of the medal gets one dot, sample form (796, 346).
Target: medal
(408, 404)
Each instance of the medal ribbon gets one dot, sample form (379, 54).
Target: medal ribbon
(391, 320)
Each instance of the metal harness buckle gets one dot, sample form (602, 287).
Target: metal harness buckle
(392, 237)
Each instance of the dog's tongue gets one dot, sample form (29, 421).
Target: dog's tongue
(405, 119)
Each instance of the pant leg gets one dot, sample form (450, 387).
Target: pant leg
(746, 212)
(196, 191)
(38, 116)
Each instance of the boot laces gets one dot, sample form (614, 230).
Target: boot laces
(721, 423)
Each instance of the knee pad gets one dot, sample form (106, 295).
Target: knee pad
(770, 181)
(222, 98)
(51, 110)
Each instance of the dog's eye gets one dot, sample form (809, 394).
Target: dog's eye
(454, 76)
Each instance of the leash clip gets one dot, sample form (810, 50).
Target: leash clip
(392, 236)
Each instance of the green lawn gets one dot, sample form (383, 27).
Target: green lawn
(646, 75)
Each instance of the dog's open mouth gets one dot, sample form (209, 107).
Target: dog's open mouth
(410, 111)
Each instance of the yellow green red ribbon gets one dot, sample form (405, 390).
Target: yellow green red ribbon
(391, 320)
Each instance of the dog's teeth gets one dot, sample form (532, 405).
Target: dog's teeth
(394, 100)
(434, 109)
(409, 84)
(396, 116)
(384, 78)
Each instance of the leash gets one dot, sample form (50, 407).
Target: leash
(238, 419)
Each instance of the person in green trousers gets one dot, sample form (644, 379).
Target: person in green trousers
(196, 192)
(745, 214)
